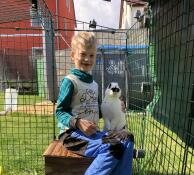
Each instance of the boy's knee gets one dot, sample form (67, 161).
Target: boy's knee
(124, 136)
(117, 150)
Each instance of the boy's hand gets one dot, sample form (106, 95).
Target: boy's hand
(87, 127)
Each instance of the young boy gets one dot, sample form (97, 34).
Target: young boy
(78, 115)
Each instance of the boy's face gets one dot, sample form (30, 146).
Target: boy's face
(84, 58)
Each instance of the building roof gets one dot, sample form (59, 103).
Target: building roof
(18, 10)
(12, 10)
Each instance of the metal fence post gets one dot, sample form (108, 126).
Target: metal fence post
(103, 70)
(49, 60)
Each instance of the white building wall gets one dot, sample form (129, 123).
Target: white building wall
(129, 13)
(126, 18)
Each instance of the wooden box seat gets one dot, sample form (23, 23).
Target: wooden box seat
(60, 161)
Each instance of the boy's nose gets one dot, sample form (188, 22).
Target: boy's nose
(87, 59)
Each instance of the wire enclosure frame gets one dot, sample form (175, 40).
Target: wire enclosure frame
(153, 63)
(165, 124)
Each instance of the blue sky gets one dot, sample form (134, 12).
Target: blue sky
(105, 13)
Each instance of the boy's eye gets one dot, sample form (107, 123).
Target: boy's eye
(82, 54)
(91, 56)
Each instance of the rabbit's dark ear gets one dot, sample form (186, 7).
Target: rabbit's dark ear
(109, 86)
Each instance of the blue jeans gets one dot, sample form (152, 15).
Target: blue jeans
(106, 161)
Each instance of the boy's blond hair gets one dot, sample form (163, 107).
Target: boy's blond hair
(85, 39)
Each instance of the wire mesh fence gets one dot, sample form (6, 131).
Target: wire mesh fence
(26, 117)
(152, 62)
(35, 56)
(162, 118)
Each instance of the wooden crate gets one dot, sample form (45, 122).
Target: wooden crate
(60, 161)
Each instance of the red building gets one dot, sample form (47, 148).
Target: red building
(20, 28)
(23, 29)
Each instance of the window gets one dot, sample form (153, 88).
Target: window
(35, 19)
(67, 4)
(65, 26)
(37, 52)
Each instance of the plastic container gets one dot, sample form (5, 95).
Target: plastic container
(11, 99)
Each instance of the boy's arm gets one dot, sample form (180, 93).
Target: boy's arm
(63, 110)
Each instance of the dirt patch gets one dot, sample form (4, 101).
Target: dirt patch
(43, 108)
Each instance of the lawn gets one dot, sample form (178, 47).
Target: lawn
(1, 101)
(24, 137)
(165, 151)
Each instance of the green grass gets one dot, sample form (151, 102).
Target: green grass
(23, 138)
(1, 101)
(164, 149)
